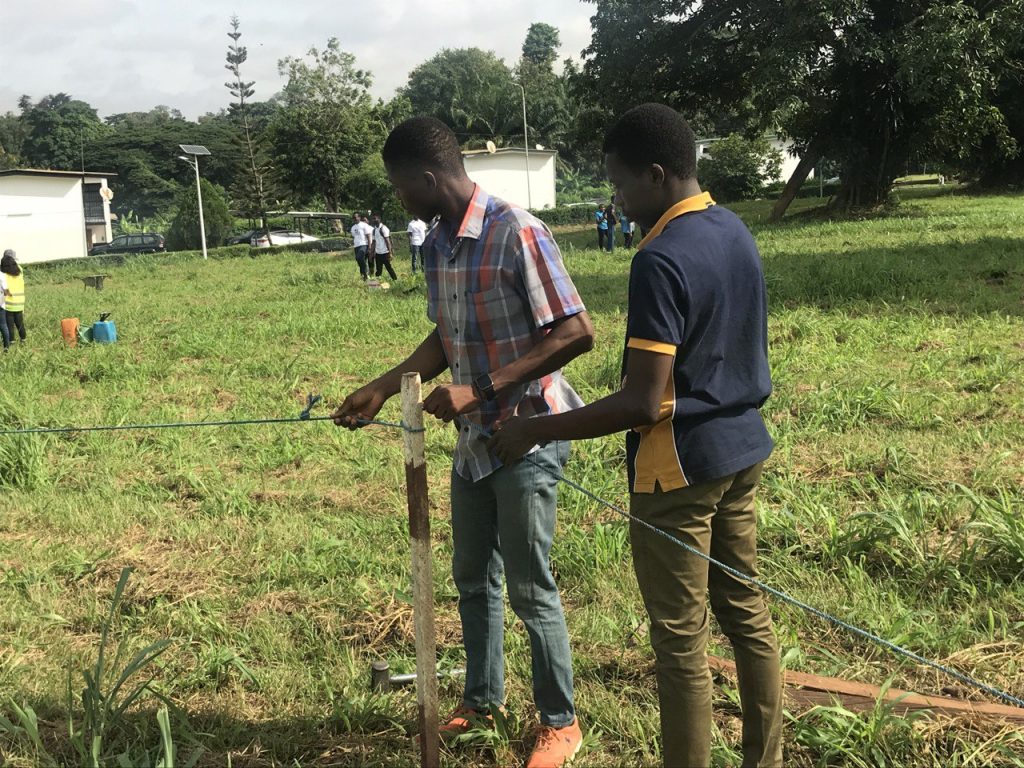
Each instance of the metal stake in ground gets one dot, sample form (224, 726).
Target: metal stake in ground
(422, 576)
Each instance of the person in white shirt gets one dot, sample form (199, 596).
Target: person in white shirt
(361, 234)
(382, 247)
(417, 230)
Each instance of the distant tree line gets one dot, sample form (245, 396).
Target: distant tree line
(869, 89)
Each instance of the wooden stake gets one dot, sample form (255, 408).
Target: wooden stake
(422, 576)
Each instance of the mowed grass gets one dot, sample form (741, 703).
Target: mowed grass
(275, 559)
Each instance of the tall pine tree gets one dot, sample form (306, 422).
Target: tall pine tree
(252, 189)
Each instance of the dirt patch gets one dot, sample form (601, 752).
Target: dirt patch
(225, 400)
(162, 569)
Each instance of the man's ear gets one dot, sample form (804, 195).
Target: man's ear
(430, 180)
(657, 174)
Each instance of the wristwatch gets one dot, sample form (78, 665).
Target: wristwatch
(484, 387)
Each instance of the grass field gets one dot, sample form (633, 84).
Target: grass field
(275, 559)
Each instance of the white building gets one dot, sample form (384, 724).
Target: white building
(790, 160)
(503, 173)
(52, 215)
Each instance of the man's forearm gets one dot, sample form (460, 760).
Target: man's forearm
(617, 412)
(568, 340)
(428, 360)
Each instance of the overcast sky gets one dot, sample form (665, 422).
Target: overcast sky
(131, 55)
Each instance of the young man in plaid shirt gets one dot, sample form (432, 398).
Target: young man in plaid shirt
(507, 318)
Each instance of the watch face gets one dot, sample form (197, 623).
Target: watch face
(485, 386)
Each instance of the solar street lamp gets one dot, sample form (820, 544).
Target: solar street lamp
(526, 147)
(191, 156)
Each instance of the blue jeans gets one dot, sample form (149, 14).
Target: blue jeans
(609, 240)
(416, 251)
(361, 259)
(516, 507)
(3, 328)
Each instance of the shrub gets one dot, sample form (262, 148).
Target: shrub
(739, 168)
(566, 214)
(184, 231)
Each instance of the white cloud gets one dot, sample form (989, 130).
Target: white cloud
(130, 55)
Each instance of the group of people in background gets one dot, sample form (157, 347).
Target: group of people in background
(12, 299)
(371, 239)
(607, 218)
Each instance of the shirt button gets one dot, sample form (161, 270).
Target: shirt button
(455, 297)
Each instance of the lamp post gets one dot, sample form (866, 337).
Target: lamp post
(526, 146)
(191, 156)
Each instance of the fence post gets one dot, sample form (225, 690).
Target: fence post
(422, 576)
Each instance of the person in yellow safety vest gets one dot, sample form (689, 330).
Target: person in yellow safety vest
(14, 295)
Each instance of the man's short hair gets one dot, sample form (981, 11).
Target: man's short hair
(654, 133)
(423, 142)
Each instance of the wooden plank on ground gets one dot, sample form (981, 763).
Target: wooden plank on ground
(812, 690)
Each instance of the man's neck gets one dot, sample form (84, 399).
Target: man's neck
(674, 191)
(677, 190)
(455, 199)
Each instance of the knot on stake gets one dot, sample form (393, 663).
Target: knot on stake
(311, 401)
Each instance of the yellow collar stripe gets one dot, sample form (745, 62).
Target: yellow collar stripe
(696, 203)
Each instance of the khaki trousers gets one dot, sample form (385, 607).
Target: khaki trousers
(718, 519)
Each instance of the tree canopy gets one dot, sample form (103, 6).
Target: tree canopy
(865, 83)
(326, 126)
(469, 89)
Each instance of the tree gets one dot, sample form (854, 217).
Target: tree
(57, 128)
(540, 48)
(251, 189)
(990, 165)
(470, 90)
(13, 133)
(142, 148)
(866, 83)
(327, 124)
(547, 101)
(738, 168)
(184, 231)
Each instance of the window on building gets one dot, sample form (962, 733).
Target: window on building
(93, 204)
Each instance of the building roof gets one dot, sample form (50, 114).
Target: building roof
(506, 151)
(59, 174)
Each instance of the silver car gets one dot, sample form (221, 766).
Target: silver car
(281, 237)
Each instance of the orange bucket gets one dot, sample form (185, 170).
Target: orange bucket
(69, 330)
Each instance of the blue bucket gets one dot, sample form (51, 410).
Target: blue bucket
(104, 332)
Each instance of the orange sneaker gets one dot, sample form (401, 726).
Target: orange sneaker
(556, 746)
(461, 720)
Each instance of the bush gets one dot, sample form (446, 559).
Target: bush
(739, 168)
(566, 214)
(184, 231)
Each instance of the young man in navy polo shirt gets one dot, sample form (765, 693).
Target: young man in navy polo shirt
(695, 374)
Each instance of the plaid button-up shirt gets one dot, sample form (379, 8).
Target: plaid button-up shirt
(493, 287)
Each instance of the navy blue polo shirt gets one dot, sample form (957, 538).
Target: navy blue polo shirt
(697, 292)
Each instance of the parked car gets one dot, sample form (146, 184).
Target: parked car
(281, 237)
(245, 238)
(141, 243)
